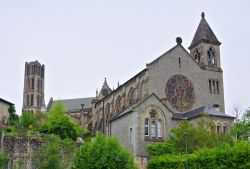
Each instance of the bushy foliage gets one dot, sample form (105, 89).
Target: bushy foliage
(28, 119)
(58, 122)
(14, 118)
(56, 154)
(161, 148)
(3, 160)
(237, 156)
(196, 137)
(103, 153)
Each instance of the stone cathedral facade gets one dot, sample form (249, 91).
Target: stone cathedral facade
(33, 93)
(178, 85)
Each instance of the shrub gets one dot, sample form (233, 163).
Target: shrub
(237, 156)
(56, 154)
(28, 119)
(161, 148)
(103, 153)
(3, 159)
(58, 122)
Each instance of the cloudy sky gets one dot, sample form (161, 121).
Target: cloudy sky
(81, 42)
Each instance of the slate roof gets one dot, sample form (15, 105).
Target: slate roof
(199, 111)
(126, 111)
(204, 34)
(75, 104)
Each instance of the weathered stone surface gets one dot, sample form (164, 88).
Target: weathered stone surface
(19, 148)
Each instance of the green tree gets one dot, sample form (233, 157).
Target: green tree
(58, 122)
(241, 128)
(103, 153)
(14, 118)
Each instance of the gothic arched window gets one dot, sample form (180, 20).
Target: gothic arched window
(28, 100)
(153, 125)
(38, 100)
(118, 104)
(131, 96)
(210, 56)
(108, 115)
(197, 55)
(31, 100)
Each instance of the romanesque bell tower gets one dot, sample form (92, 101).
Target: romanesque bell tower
(33, 93)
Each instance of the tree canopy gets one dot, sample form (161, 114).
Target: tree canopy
(103, 153)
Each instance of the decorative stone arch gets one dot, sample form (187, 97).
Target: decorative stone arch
(197, 54)
(153, 115)
(131, 97)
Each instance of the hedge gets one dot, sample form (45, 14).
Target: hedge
(225, 157)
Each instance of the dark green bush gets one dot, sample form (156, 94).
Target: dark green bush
(161, 148)
(237, 156)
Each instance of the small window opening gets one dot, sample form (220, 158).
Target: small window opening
(146, 127)
(218, 129)
(130, 135)
(179, 60)
(217, 87)
(210, 86)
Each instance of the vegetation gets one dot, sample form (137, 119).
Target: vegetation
(241, 129)
(237, 156)
(14, 118)
(202, 147)
(3, 160)
(103, 153)
(59, 123)
(56, 154)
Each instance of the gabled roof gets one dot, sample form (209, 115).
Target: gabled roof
(198, 112)
(75, 104)
(204, 34)
(5, 101)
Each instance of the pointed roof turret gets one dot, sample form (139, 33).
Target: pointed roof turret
(204, 34)
(105, 90)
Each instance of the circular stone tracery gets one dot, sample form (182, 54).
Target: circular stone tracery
(180, 92)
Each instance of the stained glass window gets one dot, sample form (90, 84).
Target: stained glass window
(180, 92)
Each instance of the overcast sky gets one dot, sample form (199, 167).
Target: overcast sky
(81, 42)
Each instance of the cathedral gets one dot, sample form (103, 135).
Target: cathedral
(178, 85)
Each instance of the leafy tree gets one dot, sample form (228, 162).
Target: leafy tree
(14, 118)
(241, 128)
(103, 153)
(3, 160)
(58, 122)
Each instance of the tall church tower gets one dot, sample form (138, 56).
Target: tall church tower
(33, 93)
(205, 50)
(205, 47)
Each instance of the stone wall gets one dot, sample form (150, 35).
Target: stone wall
(19, 148)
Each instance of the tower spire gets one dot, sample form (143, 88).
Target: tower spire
(204, 34)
